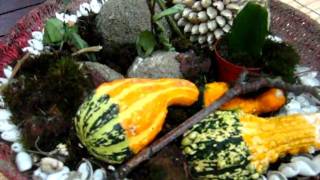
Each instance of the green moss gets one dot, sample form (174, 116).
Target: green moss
(280, 59)
(45, 97)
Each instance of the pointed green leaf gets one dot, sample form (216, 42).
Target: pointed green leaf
(54, 31)
(167, 12)
(145, 43)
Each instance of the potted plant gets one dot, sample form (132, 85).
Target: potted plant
(247, 47)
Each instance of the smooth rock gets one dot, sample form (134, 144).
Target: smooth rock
(39, 175)
(120, 23)
(160, 64)
(50, 165)
(23, 161)
(100, 174)
(101, 73)
(63, 174)
(73, 175)
(17, 147)
(11, 135)
(86, 170)
(4, 115)
(6, 126)
(7, 71)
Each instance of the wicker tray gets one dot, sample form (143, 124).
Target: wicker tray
(291, 25)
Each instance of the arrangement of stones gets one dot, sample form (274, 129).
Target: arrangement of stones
(204, 21)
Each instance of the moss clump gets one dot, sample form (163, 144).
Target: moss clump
(45, 97)
(280, 59)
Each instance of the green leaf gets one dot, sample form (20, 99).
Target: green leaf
(249, 30)
(77, 41)
(145, 43)
(167, 12)
(54, 31)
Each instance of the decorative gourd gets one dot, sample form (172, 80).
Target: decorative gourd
(271, 100)
(236, 145)
(123, 116)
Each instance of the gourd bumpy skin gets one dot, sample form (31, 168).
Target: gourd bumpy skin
(122, 117)
(236, 145)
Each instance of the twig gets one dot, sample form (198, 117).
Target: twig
(17, 67)
(88, 49)
(236, 90)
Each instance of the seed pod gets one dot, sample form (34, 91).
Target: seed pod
(203, 28)
(219, 5)
(193, 38)
(227, 13)
(197, 6)
(189, 3)
(226, 2)
(221, 21)
(218, 33)
(206, 3)
(202, 16)
(226, 28)
(232, 6)
(187, 28)
(212, 12)
(202, 39)
(181, 22)
(186, 12)
(210, 38)
(193, 17)
(212, 25)
(177, 16)
(195, 29)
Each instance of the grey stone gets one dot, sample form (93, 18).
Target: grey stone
(160, 64)
(121, 21)
(101, 73)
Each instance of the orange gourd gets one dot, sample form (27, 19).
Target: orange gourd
(124, 116)
(271, 100)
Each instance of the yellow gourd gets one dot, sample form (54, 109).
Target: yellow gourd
(237, 145)
(271, 100)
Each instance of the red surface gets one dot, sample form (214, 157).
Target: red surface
(229, 72)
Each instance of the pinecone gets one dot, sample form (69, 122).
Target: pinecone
(205, 21)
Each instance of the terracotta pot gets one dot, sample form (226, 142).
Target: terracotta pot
(228, 71)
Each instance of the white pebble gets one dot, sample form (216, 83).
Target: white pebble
(310, 109)
(11, 135)
(3, 80)
(71, 18)
(59, 175)
(38, 35)
(84, 9)
(60, 16)
(7, 72)
(50, 165)
(186, 12)
(202, 16)
(305, 80)
(226, 28)
(221, 21)
(39, 175)
(86, 170)
(23, 161)
(197, 6)
(37, 45)
(218, 33)
(99, 174)
(17, 147)
(195, 29)
(7, 126)
(4, 115)
(293, 104)
(227, 13)
(95, 6)
(210, 38)
(187, 28)
(181, 22)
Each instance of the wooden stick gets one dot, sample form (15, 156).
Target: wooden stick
(88, 49)
(237, 90)
(17, 67)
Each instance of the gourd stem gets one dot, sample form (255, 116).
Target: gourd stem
(237, 90)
